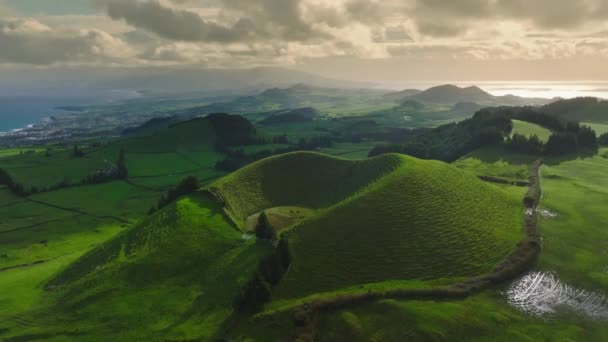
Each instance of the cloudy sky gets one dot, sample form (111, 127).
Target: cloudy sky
(349, 39)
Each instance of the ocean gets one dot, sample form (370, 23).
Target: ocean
(22, 110)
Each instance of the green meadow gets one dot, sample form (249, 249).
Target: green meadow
(529, 129)
(88, 263)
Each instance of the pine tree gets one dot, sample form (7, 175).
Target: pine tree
(263, 229)
(121, 164)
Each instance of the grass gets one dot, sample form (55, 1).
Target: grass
(183, 150)
(279, 217)
(576, 188)
(420, 207)
(529, 129)
(597, 127)
(308, 180)
(172, 276)
(375, 216)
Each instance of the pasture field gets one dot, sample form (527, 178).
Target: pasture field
(182, 150)
(173, 275)
(529, 129)
(597, 127)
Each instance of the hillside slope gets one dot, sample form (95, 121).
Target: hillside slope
(173, 276)
(387, 218)
(298, 179)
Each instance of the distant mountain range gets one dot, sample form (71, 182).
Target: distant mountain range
(450, 95)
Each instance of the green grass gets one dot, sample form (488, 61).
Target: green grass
(529, 129)
(598, 128)
(377, 215)
(172, 276)
(350, 150)
(308, 180)
(576, 188)
(183, 150)
(9, 152)
(497, 162)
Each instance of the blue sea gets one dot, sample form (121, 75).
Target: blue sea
(23, 110)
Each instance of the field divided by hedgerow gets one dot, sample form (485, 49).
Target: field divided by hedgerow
(174, 275)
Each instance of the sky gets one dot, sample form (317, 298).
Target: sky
(364, 40)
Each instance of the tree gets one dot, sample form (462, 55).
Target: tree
(603, 139)
(561, 143)
(263, 229)
(77, 152)
(185, 187)
(121, 164)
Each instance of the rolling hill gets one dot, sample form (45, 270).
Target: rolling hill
(173, 276)
(451, 94)
(178, 274)
(587, 109)
(376, 219)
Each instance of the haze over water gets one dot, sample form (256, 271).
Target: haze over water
(542, 89)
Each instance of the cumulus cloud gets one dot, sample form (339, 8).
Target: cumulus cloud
(173, 23)
(29, 41)
(265, 32)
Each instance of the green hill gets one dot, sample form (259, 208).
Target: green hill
(179, 274)
(391, 217)
(173, 276)
(451, 94)
(308, 180)
(588, 109)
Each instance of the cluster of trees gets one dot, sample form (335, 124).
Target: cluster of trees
(450, 142)
(7, 180)
(185, 187)
(269, 272)
(120, 171)
(523, 144)
(573, 138)
(493, 126)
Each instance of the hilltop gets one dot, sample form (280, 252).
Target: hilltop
(375, 217)
(450, 94)
(588, 109)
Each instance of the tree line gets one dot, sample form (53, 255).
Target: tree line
(113, 172)
(493, 127)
